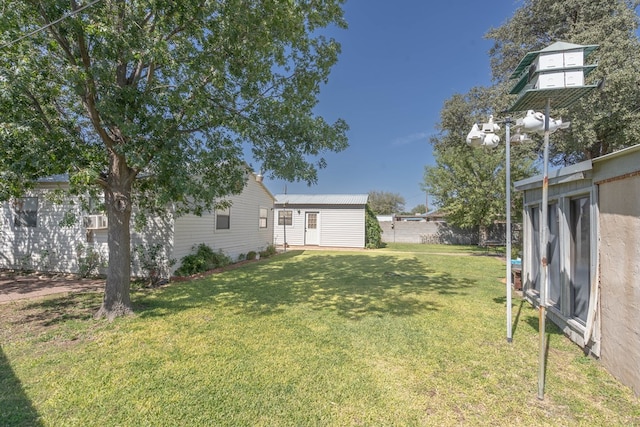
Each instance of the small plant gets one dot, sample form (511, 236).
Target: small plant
(154, 264)
(242, 257)
(44, 260)
(251, 255)
(269, 251)
(202, 260)
(89, 260)
(25, 263)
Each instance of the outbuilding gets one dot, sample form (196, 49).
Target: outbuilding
(329, 220)
(593, 256)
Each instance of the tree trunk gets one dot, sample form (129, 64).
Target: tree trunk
(117, 300)
(483, 232)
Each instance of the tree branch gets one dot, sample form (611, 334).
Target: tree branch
(39, 109)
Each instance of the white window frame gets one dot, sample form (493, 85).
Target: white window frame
(223, 213)
(263, 218)
(285, 217)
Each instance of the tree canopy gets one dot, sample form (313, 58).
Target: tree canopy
(385, 203)
(469, 184)
(155, 102)
(608, 119)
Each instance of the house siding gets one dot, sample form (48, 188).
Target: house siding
(244, 234)
(342, 227)
(52, 247)
(48, 246)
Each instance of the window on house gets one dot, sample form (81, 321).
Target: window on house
(263, 221)
(26, 212)
(95, 205)
(285, 217)
(223, 219)
(580, 255)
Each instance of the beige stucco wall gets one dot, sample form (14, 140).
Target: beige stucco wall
(619, 226)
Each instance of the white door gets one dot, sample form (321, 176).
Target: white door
(311, 236)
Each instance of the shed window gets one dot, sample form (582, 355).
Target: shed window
(580, 254)
(26, 212)
(534, 265)
(553, 256)
(223, 219)
(285, 217)
(262, 222)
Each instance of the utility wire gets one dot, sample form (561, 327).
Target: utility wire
(36, 31)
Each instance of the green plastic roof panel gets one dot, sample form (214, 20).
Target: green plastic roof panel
(555, 47)
(536, 99)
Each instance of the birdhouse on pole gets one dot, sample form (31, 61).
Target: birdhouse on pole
(541, 73)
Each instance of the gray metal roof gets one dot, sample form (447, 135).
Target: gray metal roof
(557, 176)
(63, 178)
(322, 199)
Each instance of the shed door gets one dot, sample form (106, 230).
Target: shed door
(311, 236)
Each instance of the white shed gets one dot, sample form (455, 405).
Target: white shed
(331, 220)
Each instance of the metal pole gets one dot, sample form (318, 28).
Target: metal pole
(508, 184)
(284, 226)
(544, 276)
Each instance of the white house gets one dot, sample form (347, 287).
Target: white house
(331, 220)
(593, 256)
(32, 236)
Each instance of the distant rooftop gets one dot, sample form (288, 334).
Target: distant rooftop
(322, 199)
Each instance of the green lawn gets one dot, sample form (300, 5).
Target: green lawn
(402, 336)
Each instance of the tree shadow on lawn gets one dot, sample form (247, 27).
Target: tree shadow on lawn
(58, 309)
(16, 409)
(352, 285)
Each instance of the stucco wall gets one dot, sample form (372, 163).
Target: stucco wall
(619, 225)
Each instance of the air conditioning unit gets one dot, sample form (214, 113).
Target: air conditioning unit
(95, 222)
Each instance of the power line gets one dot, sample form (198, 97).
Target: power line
(36, 31)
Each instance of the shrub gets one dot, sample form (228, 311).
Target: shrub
(202, 260)
(89, 260)
(251, 255)
(373, 231)
(153, 263)
(269, 251)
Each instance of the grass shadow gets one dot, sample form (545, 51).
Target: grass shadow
(59, 309)
(352, 285)
(550, 327)
(16, 409)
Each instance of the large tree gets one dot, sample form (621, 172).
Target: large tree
(154, 102)
(469, 184)
(385, 203)
(606, 120)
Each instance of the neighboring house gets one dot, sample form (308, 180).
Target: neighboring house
(593, 256)
(32, 237)
(332, 220)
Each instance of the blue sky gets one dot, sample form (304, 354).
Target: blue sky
(400, 61)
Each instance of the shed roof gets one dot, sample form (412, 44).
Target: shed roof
(321, 199)
(572, 172)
